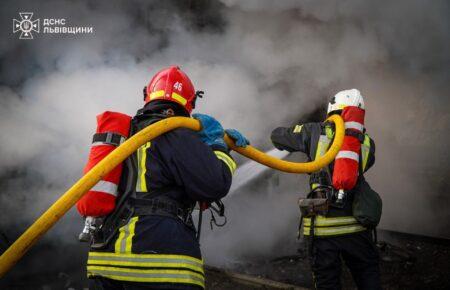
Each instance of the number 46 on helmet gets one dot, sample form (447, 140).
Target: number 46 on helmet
(173, 85)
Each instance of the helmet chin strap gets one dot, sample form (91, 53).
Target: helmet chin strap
(145, 92)
(198, 94)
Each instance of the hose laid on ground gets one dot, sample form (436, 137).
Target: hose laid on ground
(84, 184)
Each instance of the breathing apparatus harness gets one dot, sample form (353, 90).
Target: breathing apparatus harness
(323, 195)
(100, 231)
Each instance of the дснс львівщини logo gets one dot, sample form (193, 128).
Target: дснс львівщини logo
(25, 25)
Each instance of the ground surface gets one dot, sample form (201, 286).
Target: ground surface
(408, 262)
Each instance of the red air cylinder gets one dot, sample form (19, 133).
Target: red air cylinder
(346, 165)
(112, 129)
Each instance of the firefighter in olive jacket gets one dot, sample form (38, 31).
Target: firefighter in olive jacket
(336, 234)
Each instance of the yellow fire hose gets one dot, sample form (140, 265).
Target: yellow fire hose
(84, 184)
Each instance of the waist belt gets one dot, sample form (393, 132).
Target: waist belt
(162, 207)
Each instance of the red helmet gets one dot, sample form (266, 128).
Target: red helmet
(171, 84)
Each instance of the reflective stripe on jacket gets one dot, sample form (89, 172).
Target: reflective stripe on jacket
(150, 249)
(332, 226)
(156, 248)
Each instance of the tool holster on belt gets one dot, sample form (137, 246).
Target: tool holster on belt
(313, 206)
(316, 203)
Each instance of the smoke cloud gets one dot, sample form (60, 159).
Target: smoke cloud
(262, 64)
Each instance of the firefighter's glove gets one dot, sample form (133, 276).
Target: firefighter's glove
(237, 137)
(212, 132)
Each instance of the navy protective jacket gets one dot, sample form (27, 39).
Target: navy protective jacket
(165, 177)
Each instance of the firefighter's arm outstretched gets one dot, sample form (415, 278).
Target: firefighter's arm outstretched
(292, 139)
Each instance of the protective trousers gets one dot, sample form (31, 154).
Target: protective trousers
(101, 283)
(359, 253)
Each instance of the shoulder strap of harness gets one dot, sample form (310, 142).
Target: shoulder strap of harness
(108, 138)
(323, 176)
(124, 209)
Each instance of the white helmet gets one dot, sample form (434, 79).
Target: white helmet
(344, 99)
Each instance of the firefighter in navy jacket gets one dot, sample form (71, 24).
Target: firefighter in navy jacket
(157, 248)
(336, 234)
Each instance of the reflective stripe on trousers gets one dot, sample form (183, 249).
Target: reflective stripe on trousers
(156, 268)
(152, 268)
(123, 265)
(332, 226)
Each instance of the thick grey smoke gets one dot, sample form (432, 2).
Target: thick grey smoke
(263, 64)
